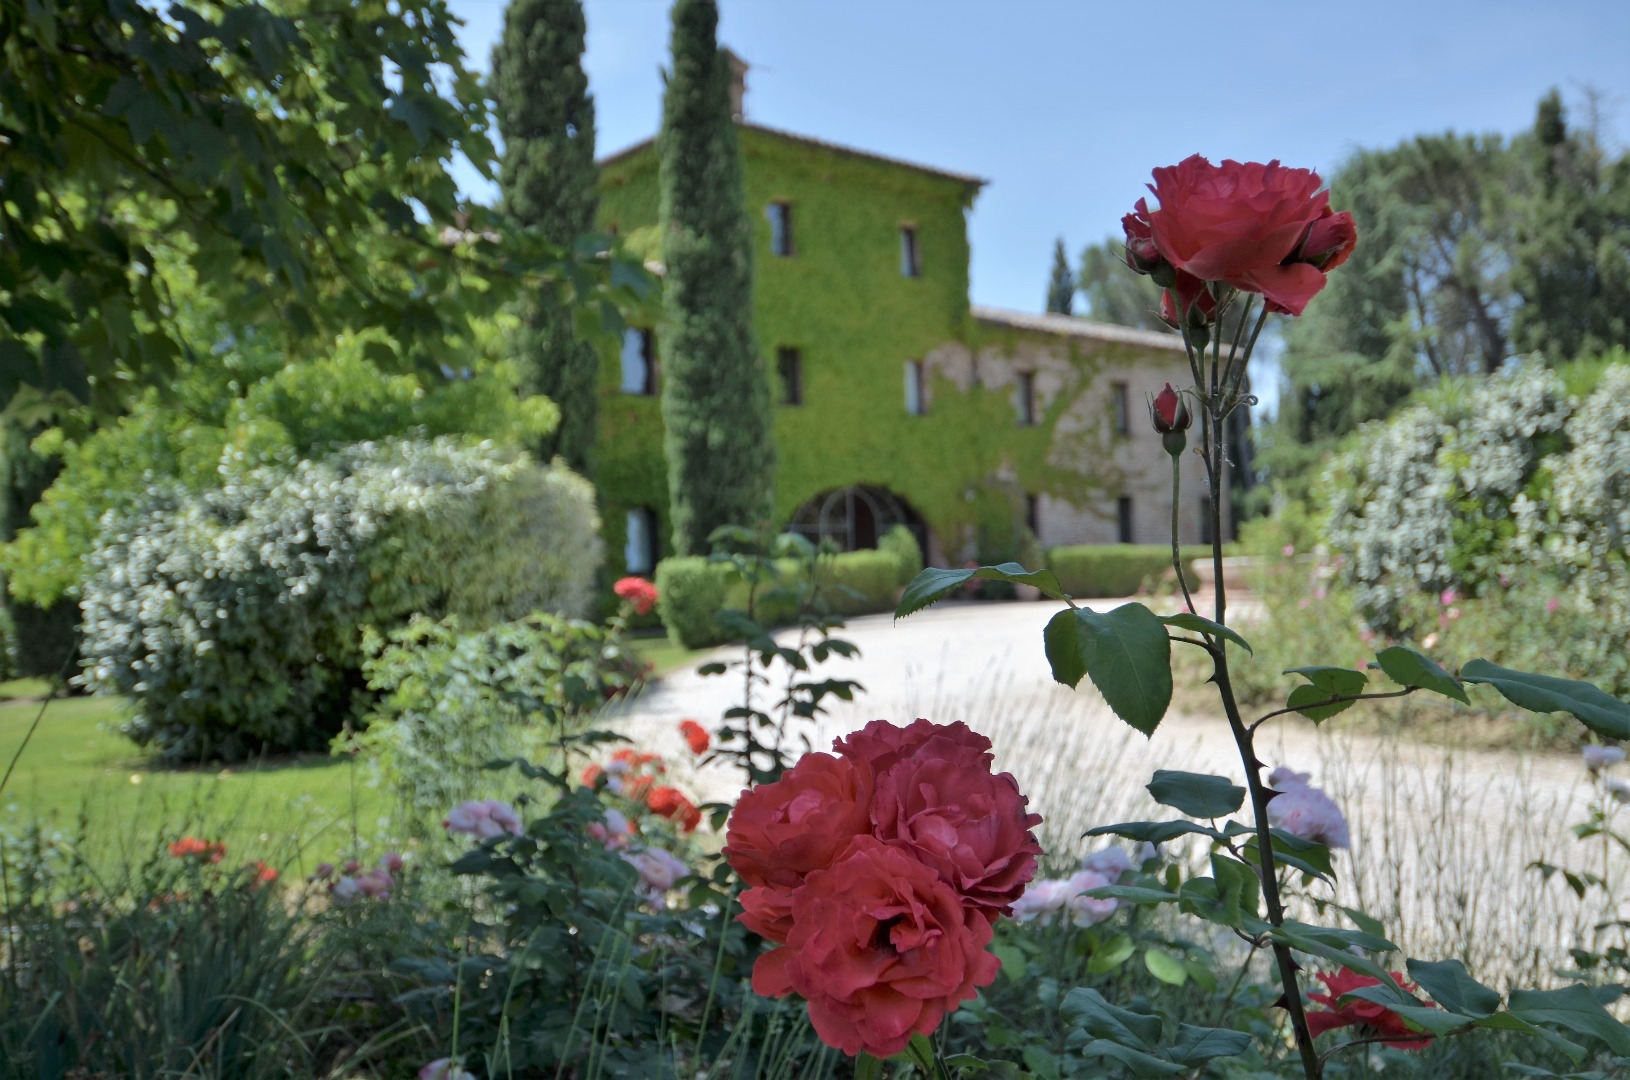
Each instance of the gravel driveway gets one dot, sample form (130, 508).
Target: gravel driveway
(1442, 838)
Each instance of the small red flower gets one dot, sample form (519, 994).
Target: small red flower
(1169, 412)
(591, 773)
(190, 847)
(1370, 1018)
(672, 804)
(263, 874)
(696, 736)
(640, 594)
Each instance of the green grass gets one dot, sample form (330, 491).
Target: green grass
(293, 813)
(662, 654)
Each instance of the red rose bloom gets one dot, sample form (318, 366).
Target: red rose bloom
(1373, 1019)
(696, 736)
(640, 594)
(880, 744)
(670, 803)
(781, 832)
(1141, 253)
(943, 805)
(1243, 223)
(881, 949)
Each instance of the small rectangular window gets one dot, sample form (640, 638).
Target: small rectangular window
(638, 363)
(789, 364)
(1032, 515)
(780, 215)
(1123, 514)
(910, 262)
(1024, 398)
(916, 400)
(1121, 407)
(640, 547)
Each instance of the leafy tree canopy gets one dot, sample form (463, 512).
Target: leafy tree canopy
(293, 155)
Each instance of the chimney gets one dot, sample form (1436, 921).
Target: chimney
(738, 85)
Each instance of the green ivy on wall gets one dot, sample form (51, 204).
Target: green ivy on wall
(841, 300)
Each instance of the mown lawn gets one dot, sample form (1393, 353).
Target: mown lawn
(82, 780)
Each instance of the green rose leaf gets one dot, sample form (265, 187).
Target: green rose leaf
(1406, 667)
(1197, 1045)
(1434, 1021)
(1196, 794)
(1324, 683)
(1165, 967)
(1125, 652)
(1593, 707)
(1086, 1009)
(1187, 620)
(1452, 986)
(1155, 832)
(1140, 1063)
(1574, 1008)
(933, 585)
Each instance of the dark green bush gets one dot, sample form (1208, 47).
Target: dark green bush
(1093, 570)
(690, 591)
(900, 543)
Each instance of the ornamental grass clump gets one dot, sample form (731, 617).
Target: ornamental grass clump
(881, 869)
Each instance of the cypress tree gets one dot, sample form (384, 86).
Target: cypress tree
(1061, 286)
(715, 393)
(549, 181)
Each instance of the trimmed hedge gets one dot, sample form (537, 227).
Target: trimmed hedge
(900, 543)
(691, 590)
(1106, 570)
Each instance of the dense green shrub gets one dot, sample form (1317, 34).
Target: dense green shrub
(858, 582)
(453, 700)
(690, 591)
(901, 543)
(234, 618)
(1097, 570)
(693, 590)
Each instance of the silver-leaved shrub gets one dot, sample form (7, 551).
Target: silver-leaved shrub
(233, 619)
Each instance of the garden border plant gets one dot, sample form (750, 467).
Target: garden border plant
(1219, 235)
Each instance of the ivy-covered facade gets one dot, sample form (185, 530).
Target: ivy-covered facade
(897, 399)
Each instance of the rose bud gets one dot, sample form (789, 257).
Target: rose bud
(1168, 411)
(1141, 253)
(1329, 241)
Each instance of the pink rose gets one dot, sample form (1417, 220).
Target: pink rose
(881, 948)
(1248, 224)
(658, 869)
(1088, 910)
(482, 819)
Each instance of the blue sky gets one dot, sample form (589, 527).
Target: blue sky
(1065, 105)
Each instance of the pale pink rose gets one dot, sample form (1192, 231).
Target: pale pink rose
(1307, 812)
(1285, 777)
(444, 1069)
(1551, 605)
(392, 862)
(1088, 910)
(1043, 897)
(1446, 597)
(376, 884)
(658, 869)
(1430, 641)
(483, 819)
(1112, 862)
(1288, 551)
(345, 890)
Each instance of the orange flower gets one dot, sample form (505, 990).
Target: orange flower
(591, 774)
(190, 847)
(671, 804)
(264, 875)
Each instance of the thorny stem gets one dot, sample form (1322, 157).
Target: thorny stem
(1177, 562)
(1215, 454)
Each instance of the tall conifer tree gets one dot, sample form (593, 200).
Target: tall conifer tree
(548, 179)
(1061, 286)
(715, 393)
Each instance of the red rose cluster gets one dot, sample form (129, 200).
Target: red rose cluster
(1249, 226)
(640, 594)
(881, 868)
(205, 851)
(1367, 1016)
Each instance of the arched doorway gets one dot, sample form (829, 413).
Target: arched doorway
(855, 517)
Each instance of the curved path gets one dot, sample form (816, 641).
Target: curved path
(1442, 838)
